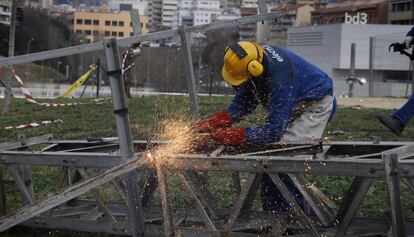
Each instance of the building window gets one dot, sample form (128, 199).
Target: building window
(401, 7)
(70, 22)
(131, 34)
(401, 22)
(107, 33)
(121, 34)
(130, 24)
(79, 21)
(96, 22)
(88, 41)
(107, 23)
(113, 33)
(95, 32)
(114, 23)
(88, 22)
(146, 25)
(78, 31)
(88, 32)
(396, 76)
(142, 24)
(121, 23)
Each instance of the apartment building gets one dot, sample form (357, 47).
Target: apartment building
(98, 25)
(5, 12)
(230, 4)
(155, 15)
(169, 13)
(247, 32)
(356, 12)
(401, 12)
(205, 11)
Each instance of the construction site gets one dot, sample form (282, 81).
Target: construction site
(129, 163)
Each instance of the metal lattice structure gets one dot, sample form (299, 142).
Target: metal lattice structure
(364, 161)
(135, 178)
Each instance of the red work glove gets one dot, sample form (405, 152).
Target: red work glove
(231, 136)
(219, 120)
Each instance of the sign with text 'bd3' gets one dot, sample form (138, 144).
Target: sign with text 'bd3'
(358, 18)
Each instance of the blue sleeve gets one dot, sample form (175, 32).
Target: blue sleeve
(280, 112)
(411, 32)
(244, 102)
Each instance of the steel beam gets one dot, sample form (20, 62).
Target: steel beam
(244, 200)
(99, 199)
(26, 194)
(167, 212)
(74, 159)
(203, 193)
(277, 181)
(189, 71)
(2, 193)
(394, 190)
(148, 187)
(349, 206)
(69, 193)
(200, 208)
(25, 143)
(136, 213)
(124, 42)
(281, 164)
(312, 198)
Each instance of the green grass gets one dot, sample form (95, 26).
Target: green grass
(87, 120)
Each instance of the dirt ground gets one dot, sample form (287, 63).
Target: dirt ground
(375, 103)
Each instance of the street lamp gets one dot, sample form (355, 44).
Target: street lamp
(28, 45)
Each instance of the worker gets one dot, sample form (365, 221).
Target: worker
(297, 96)
(397, 121)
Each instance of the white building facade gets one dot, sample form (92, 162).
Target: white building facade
(5, 12)
(175, 13)
(205, 11)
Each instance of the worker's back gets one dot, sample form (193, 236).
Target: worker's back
(309, 82)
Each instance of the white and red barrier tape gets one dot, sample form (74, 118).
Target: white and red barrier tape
(29, 98)
(34, 124)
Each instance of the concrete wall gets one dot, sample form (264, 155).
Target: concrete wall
(318, 44)
(384, 34)
(329, 47)
(381, 89)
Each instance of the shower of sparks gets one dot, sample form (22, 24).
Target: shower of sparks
(179, 136)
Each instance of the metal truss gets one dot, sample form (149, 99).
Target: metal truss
(110, 185)
(98, 163)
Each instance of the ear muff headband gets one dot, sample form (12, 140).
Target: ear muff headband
(237, 49)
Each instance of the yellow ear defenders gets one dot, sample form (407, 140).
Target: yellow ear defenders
(254, 66)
